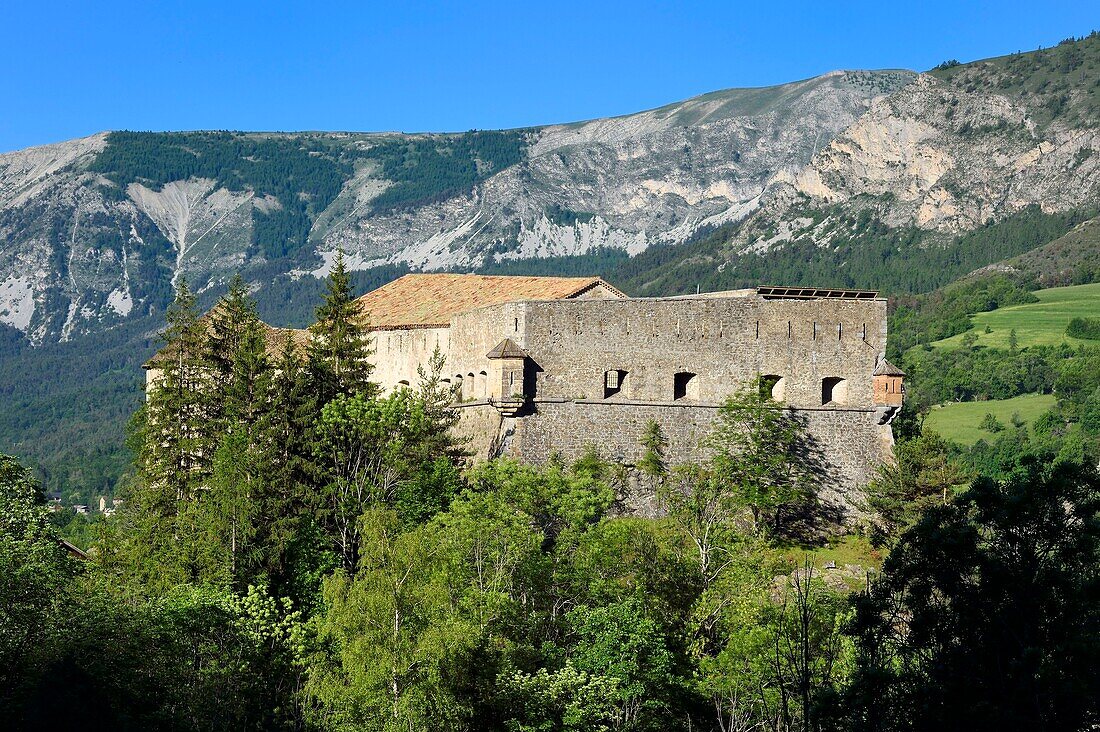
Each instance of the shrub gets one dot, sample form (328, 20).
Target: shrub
(1087, 328)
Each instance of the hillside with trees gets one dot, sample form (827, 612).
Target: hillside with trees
(297, 551)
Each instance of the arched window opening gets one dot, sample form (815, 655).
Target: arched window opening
(834, 390)
(459, 394)
(613, 382)
(685, 385)
(772, 386)
(483, 383)
(403, 382)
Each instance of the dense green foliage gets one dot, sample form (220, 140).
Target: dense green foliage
(303, 173)
(429, 168)
(986, 613)
(864, 254)
(1056, 83)
(977, 374)
(1087, 328)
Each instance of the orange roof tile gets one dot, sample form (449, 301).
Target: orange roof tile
(430, 300)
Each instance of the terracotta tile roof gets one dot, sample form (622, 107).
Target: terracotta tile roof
(430, 300)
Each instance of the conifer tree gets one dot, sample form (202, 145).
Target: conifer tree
(289, 530)
(175, 449)
(174, 438)
(339, 344)
(243, 463)
(653, 463)
(438, 398)
(234, 313)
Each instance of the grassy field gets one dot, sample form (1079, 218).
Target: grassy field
(1038, 323)
(958, 421)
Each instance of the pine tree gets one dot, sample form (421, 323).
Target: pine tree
(174, 437)
(234, 313)
(339, 344)
(176, 448)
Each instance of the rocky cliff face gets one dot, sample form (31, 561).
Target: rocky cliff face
(96, 231)
(625, 182)
(942, 158)
(84, 247)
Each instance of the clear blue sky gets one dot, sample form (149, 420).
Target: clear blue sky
(70, 69)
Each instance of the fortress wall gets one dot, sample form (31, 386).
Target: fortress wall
(851, 443)
(398, 353)
(725, 341)
(474, 334)
(481, 425)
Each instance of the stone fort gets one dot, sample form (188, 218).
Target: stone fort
(555, 365)
(544, 365)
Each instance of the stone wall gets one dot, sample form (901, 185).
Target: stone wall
(850, 443)
(398, 353)
(724, 341)
(473, 335)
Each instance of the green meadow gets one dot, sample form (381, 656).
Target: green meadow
(1038, 323)
(958, 421)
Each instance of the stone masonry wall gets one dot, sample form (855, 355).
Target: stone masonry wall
(398, 353)
(726, 342)
(851, 443)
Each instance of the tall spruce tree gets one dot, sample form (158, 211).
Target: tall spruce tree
(174, 437)
(244, 462)
(176, 430)
(229, 320)
(339, 343)
(297, 554)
